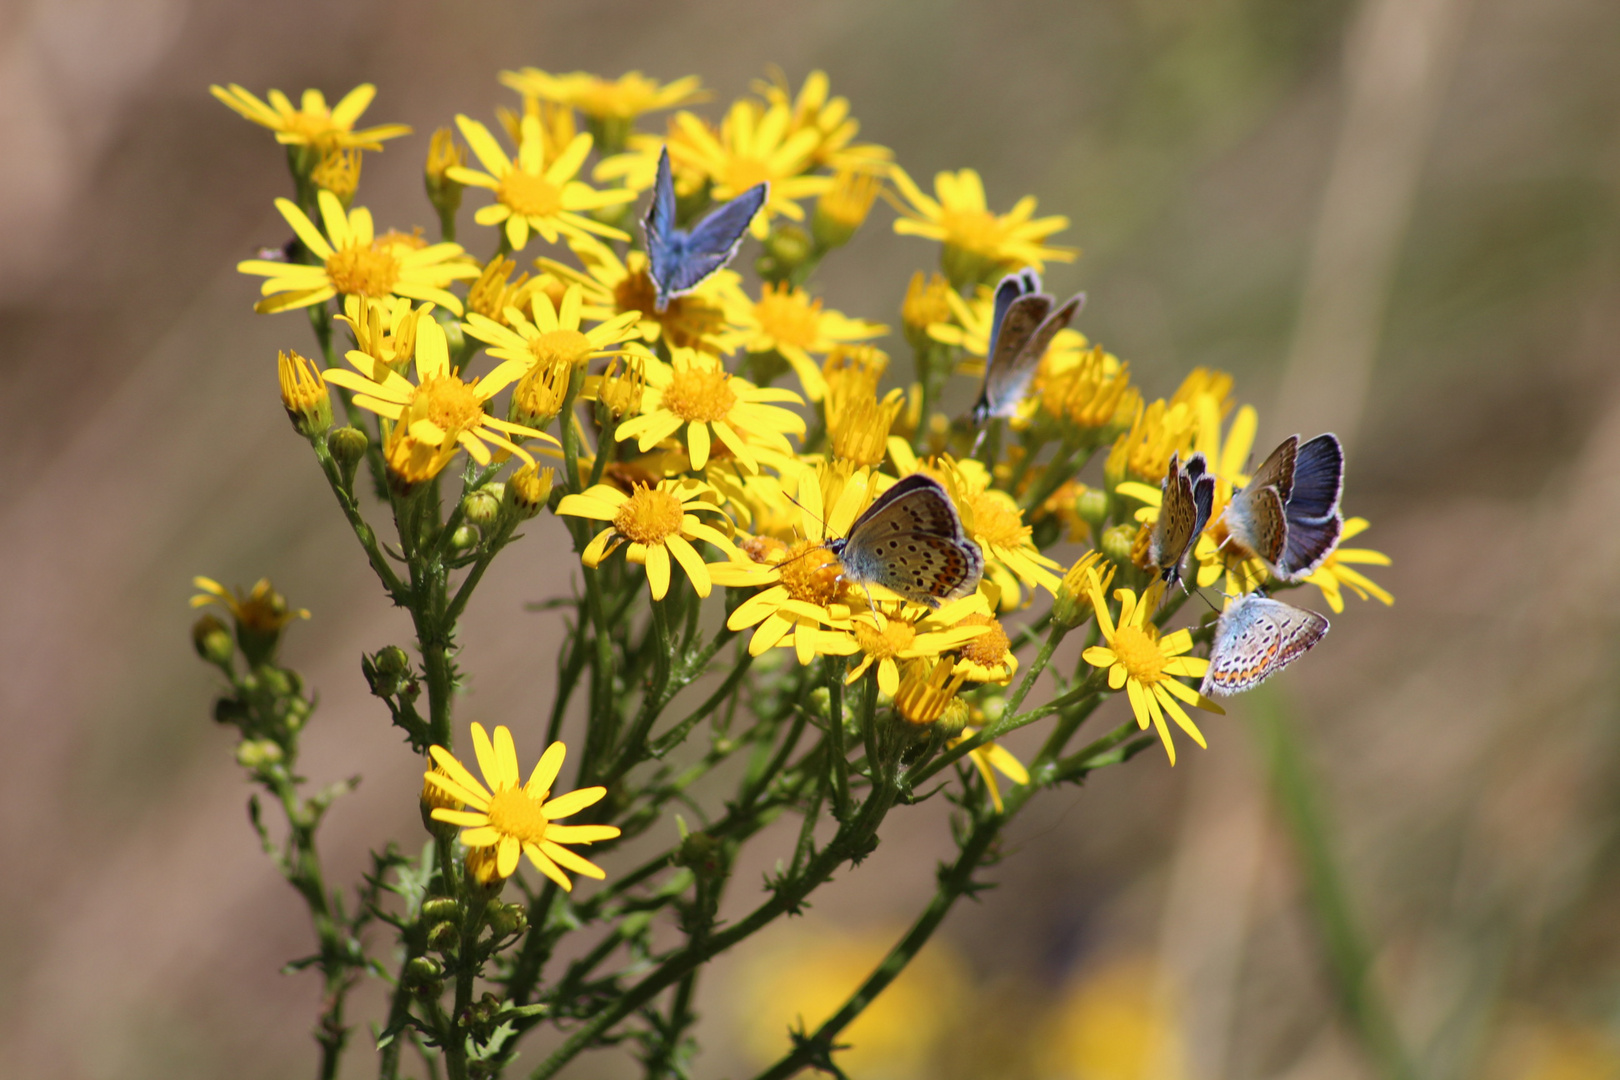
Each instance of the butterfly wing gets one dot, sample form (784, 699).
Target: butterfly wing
(1318, 480)
(1005, 375)
(1172, 532)
(911, 542)
(665, 242)
(1255, 638)
(1010, 288)
(714, 240)
(1308, 543)
(1255, 520)
(1278, 469)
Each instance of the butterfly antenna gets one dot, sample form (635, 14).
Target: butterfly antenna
(978, 441)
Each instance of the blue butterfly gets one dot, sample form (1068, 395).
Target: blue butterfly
(1022, 326)
(679, 259)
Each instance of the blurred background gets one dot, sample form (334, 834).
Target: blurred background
(1393, 218)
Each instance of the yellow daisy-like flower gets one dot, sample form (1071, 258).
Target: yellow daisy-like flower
(355, 262)
(987, 657)
(511, 816)
(384, 332)
(1085, 387)
(1334, 575)
(754, 145)
(624, 98)
(990, 759)
(656, 522)
(786, 319)
(697, 393)
(529, 193)
(440, 413)
(994, 520)
(694, 320)
(262, 609)
(829, 118)
(1145, 664)
(927, 690)
(1156, 432)
(885, 641)
(978, 243)
(313, 124)
(555, 336)
(805, 583)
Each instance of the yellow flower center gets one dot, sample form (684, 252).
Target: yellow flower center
(988, 649)
(317, 128)
(560, 346)
(513, 812)
(450, 403)
(978, 231)
(997, 521)
(885, 644)
(649, 516)
(529, 195)
(363, 271)
(788, 316)
(811, 573)
(700, 393)
(1139, 651)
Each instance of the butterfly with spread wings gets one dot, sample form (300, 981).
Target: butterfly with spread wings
(678, 260)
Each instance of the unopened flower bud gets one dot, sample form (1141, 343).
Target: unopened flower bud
(529, 489)
(444, 153)
(506, 919)
(441, 909)
(539, 395)
(953, 719)
(622, 386)
(443, 937)
(1117, 542)
(700, 853)
(425, 976)
(819, 702)
(347, 445)
(482, 508)
(1071, 605)
(465, 538)
(1092, 507)
(257, 753)
(434, 798)
(213, 641)
(992, 707)
(483, 866)
(842, 209)
(303, 394)
(338, 171)
(786, 247)
(387, 672)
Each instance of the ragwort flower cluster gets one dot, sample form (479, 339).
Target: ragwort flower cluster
(872, 584)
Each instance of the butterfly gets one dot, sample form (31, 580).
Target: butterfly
(678, 259)
(1022, 326)
(911, 542)
(1289, 512)
(1188, 494)
(1255, 638)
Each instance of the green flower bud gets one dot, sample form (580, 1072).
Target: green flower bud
(506, 919)
(465, 538)
(258, 753)
(212, 640)
(444, 937)
(1117, 543)
(425, 976)
(348, 446)
(482, 508)
(441, 909)
(528, 490)
(786, 248)
(819, 701)
(1092, 507)
(700, 853)
(388, 672)
(953, 719)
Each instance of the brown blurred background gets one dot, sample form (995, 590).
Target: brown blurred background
(1396, 218)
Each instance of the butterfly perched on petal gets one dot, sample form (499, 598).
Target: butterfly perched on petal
(1187, 495)
(679, 259)
(1288, 514)
(911, 542)
(1255, 638)
(1022, 326)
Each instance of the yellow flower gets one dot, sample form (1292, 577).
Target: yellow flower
(529, 194)
(314, 124)
(355, 262)
(1156, 432)
(994, 520)
(693, 320)
(1117, 1021)
(926, 690)
(338, 171)
(829, 118)
(789, 321)
(805, 582)
(262, 610)
(697, 393)
(927, 302)
(978, 243)
(858, 422)
(493, 293)
(842, 208)
(1085, 387)
(884, 641)
(987, 657)
(303, 394)
(753, 146)
(1333, 575)
(554, 336)
(384, 332)
(437, 415)
(624, 98)
(1072, 604)
(990, 759)
(657, 523)
(1145, 664)
(511, 816)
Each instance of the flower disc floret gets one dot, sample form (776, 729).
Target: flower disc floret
(656, 524)
(649, 516)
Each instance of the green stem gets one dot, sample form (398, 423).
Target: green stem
(1350, 958)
